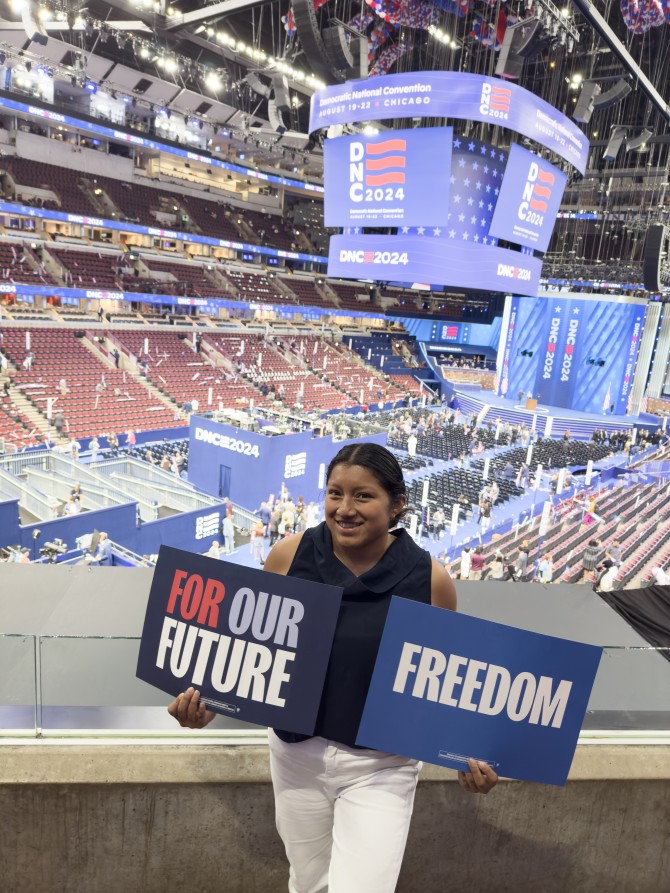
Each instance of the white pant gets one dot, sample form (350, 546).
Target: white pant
(342, 814)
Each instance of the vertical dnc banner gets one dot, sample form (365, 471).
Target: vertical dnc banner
(400, 177)
(447, 687)
(529, 199)
(255, 644)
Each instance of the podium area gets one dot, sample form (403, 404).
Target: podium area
(101, 791)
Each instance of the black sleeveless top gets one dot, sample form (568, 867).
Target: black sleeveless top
(403, 570)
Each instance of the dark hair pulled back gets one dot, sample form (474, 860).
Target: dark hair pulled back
(381, 463)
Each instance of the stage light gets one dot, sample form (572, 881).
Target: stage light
(601, 363)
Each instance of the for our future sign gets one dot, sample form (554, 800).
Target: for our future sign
(255, 644)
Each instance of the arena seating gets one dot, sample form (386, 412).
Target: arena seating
(121, 404)
(88, 268)
(14, 266)
(176, 370)
(255, 287)
(62, 181)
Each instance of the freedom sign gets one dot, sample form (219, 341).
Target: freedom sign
(398, 177)
(447, 687)
(255, 644)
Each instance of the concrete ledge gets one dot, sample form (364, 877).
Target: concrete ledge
(37, 761)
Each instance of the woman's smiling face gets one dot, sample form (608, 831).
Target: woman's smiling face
(358, 509)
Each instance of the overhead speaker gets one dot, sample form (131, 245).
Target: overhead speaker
(617, 137)
(586, 102)
(32, 26)
(655, 267)
(313, 46)
(257, 85)
(359, 50)
(337, 47)
(281, 95)
(615, 94)
(275, 118)
(521, 41)
(636, 142)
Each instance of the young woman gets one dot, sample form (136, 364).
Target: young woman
(343, 812)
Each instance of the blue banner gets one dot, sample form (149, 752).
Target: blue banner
(399, 177)
(451, 94)
(529, 199)
(574, 352)
(255, 644)
(447, 687)
(446, 261)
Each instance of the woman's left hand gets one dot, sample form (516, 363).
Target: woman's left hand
(480, 779)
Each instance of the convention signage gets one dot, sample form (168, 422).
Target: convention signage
(447, 687)
(255, 644)
(573, 352)
(447, 261)
(529, 199)
(400, 177)
(451, 94)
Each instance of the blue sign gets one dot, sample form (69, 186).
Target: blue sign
(399, 177)
(144, 142)
(451, 94)
(450, 332)
(575, 352)
(529, 200)
(447, 687)
(255, 644)
(447, 261)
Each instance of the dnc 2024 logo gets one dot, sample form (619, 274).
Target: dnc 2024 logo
(495, 101)
(377, 170)
(536, 194)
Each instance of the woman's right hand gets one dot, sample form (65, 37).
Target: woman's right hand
(189, 711)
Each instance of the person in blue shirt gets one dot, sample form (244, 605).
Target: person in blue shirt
(103, 554)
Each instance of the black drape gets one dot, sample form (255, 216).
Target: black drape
(646, 610)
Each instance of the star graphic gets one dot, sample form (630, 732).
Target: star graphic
(457, 143)
(486, 242)
(475, 165)
(466, 182)
(496, 191)
(421, 230)
(488, 188)
(461, 218)
(452, 233)
(576, 310)
(471, 201)
(495, 172)
(483, 222)
(452, 179)
(490, 206)
(493, 153)
(457, 198)
(481, 203)
(478, 184)
(461, 162)
(405, 230)
(557, 309)
(473, 220)
(483, 150)
(471, 147)
(476, 237)
(437, 231)
(466, 236)
(486, 168)
(502, 156)
(357, 230)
